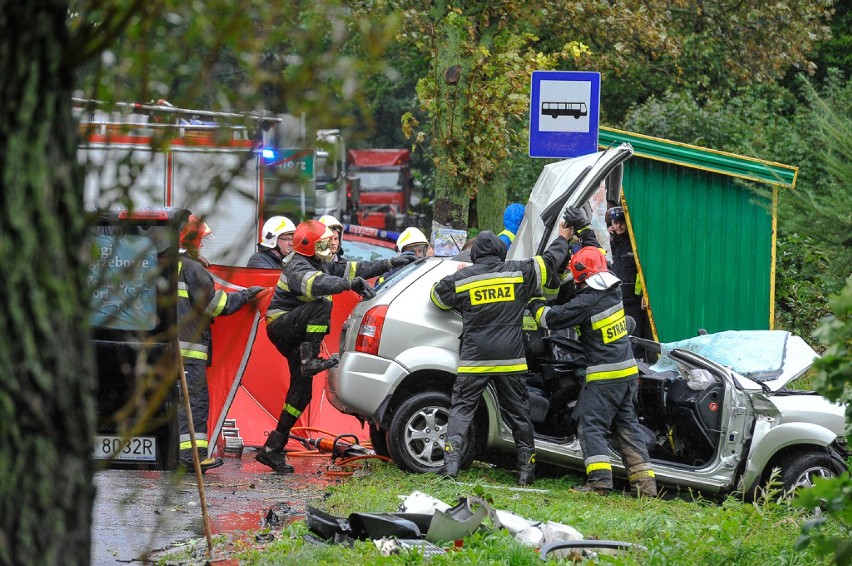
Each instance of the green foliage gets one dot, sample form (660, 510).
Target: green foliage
(282, 57)
(806, 129)
(800, 301)
(475, 97)
(834, 497)
(834, 368)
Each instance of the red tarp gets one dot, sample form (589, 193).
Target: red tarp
(265, 379)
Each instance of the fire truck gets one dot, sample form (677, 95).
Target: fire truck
(379, 187)
(235, 170)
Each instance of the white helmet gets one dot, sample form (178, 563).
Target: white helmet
(273, 228)
(331, 222)
(410, 236)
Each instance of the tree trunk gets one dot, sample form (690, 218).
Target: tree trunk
(491, 202)
(47, 385)
(451, 204)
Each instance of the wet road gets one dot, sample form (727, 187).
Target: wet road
(140, 512)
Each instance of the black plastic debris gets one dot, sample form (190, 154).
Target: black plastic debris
(275, 515)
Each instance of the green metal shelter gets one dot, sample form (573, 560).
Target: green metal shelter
(704, 238)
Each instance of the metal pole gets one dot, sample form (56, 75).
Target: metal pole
(195, 460)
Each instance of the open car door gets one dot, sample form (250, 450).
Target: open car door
(570, 182)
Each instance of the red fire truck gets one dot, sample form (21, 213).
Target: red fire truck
(379, 187)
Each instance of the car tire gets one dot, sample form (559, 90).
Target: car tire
(379, 440)
(803, 468)
(418, 431)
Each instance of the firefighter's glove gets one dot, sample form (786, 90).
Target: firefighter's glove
(360, 286)
(536, 306)
(252, 292)
(402, 260)
(575, 217)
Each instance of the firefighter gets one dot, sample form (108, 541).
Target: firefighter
(492, 295)
(412, 242)
(298, 319)
(624, 267)
(607, 396)
(275, 245)
(512, 217)
(198, 304)
(336, 243)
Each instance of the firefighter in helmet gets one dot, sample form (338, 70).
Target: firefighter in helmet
(298, 319)
(336, 242)
(412, 242)
(198, 304)
(276, 243)
(606, 399)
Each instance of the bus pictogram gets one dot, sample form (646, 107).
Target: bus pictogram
(557, 109)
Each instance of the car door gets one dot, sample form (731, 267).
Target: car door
(570, 182)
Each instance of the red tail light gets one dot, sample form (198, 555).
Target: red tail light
(370, 332)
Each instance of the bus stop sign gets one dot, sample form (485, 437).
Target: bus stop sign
(564, 113)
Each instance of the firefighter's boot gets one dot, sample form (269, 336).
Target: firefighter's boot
(312, 364)
(272, 453)
(452, 457)
(526, 467)
(186, 461)
(645, 486)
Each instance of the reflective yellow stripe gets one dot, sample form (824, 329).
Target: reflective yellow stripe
(598, 466)
(219, 305)
(272, 315)
(608, 320)
(194, 354)
(613, 374)
(493, 369)
(182, 293)
(309, 284)
(549, 292)
(187, 445)
(489, 282)
(317, 328)
(642, 474)
(437, 300)
(542, 270)
(529, 323)
(292, 410)
(508, 234)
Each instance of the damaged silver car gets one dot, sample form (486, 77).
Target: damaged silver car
(716, 417)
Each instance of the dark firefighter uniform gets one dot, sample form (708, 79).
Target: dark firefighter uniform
(265, 258)
(624, 267)
(198, 304)
(492, 295)
(611, 384)
(300, 311)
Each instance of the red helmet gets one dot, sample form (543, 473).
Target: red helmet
(193, 232)
(586, 262)
(308, 235)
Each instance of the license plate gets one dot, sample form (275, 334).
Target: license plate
(137, 449)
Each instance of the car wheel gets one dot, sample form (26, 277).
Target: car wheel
(418, 432)
(803, 469)
(379, 440)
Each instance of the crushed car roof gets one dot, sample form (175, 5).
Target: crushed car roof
(772, 357)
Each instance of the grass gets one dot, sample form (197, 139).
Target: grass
(686, 529)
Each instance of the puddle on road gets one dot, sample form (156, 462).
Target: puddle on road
(240, 497)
